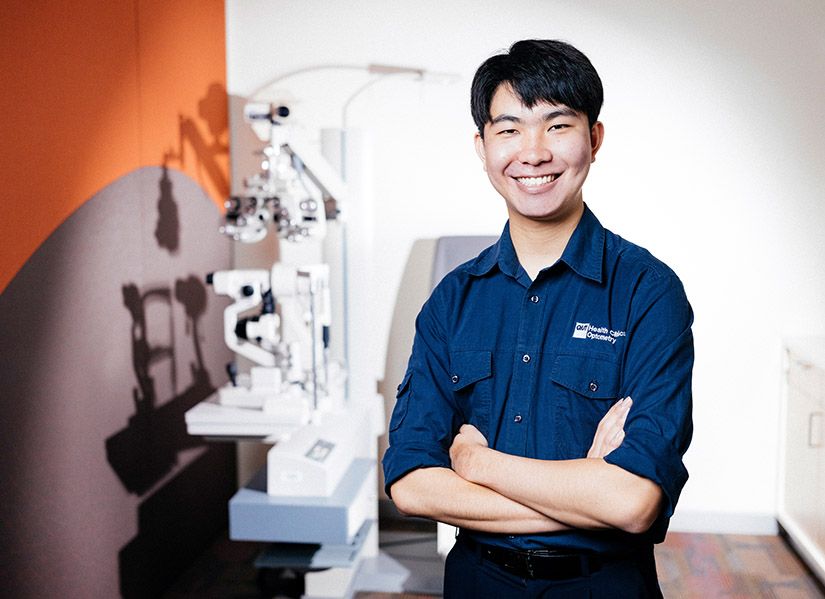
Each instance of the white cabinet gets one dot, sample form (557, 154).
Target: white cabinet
(802, 482)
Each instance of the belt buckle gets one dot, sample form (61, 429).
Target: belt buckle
(528, 564)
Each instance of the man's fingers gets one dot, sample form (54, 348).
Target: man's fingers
(619, 409)
(469, 433)
(610, 432)
(616, 415)
(623, 410)
(619, 417)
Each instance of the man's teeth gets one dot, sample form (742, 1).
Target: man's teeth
(533, 181)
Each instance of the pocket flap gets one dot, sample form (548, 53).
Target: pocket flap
(468, 367)
(405, 382)
(589, 376)
(402, 402)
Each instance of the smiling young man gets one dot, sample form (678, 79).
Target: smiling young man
(514, 420)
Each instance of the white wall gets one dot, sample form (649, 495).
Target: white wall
(715, 142)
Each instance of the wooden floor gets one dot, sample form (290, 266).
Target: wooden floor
(708, 566)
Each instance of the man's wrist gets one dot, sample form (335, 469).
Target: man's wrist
(475, 464)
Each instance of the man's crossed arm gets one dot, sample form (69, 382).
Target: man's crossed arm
(491, 491)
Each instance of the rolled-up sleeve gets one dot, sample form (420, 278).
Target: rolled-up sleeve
(425, 418)
(657, 375)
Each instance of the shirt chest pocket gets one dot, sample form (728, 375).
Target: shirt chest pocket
(470, 375)
(582, 390)
(588, 376)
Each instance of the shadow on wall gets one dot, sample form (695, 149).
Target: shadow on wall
(167, 231)
(169, 536)
(212, 110)
(108, 336)
(175, 525)
(146, 450)
(210, 151)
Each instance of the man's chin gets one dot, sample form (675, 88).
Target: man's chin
(547, 214)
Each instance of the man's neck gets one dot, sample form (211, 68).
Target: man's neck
(540, 244)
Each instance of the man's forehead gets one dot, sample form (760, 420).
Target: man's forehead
(506, 102)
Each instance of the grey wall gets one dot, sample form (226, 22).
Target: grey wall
(107, 336)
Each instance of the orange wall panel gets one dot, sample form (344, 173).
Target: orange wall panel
(182, 63)
(91, 90)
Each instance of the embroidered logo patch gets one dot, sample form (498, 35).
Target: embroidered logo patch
(585, 330)
(581, 330)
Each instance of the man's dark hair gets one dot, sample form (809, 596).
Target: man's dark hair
(538, 71)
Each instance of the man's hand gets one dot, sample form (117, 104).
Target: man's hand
(465, 448)
(610, 432)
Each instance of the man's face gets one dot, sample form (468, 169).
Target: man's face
(537, 158)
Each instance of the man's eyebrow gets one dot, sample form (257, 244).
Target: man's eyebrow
(560, 111)
(547, 116)
(505, 117)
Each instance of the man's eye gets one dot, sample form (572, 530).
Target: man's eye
(558, 127)
(506, 132)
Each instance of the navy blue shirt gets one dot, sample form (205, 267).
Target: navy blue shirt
(535, 365)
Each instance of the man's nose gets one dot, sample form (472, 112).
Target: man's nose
(535, 149)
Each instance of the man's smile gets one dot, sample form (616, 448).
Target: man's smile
(538, 184)
(536, 181)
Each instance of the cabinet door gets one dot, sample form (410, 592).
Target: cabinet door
(802, 484)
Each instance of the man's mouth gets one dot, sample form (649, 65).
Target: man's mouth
(536, 181)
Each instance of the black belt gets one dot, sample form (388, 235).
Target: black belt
(546, 564)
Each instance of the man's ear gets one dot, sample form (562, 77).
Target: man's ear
(596, 139)
(479, 142)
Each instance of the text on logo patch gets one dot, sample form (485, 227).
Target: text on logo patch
(585, 330)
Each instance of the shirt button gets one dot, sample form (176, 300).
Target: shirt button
(517, 419)
(525, 358)
(594, 386)
(534, 299)
(454, 378)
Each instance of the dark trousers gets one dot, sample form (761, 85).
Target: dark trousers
(468, 575)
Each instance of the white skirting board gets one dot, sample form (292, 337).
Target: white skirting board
(806, 547)
(724, 523)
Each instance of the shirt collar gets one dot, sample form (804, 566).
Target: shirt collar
(502, 253)
(585, 250)
(583, 253)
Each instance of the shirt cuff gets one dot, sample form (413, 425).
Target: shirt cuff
(649, 455)
(401, 459)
